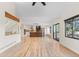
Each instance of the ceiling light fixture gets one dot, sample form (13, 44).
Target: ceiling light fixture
(43, 3)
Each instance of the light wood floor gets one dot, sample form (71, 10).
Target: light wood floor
(38, 47)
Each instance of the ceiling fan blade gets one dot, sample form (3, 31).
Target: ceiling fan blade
(43, 3)
(33, 3)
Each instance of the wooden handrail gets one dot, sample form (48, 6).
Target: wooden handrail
(8, 15)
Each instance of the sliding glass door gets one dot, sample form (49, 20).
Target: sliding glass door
(56, 31)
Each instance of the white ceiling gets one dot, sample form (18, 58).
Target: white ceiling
(52, 11)
(25, 9)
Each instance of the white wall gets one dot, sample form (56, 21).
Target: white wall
(47, 30)
(2, 30)
(71, 10)
(7, 41)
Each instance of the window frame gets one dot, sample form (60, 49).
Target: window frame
(73, 20)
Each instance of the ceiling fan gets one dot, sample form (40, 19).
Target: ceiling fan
(43, 3)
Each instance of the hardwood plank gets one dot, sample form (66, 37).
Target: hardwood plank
(38, 47)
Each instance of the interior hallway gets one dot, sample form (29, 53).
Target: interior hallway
(38, 46)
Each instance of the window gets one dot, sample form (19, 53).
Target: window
(76, 28)
(68, 28)
(72, 27)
